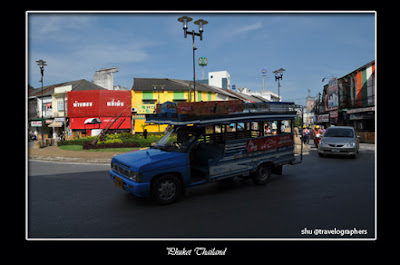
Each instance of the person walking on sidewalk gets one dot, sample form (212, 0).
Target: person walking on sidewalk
(145, 133)
(306, 133)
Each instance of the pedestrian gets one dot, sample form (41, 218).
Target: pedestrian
(306, 133)
(145, 133)
(322, 130)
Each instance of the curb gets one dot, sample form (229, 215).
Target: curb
(70, 159)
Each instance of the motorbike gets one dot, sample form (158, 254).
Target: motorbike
(32, 137)
(317, 139)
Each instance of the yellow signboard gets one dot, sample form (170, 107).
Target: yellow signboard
(146, 108)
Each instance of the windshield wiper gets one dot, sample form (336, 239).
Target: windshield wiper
(159, 147)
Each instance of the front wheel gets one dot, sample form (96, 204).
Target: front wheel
(166, 189)
(262, 175)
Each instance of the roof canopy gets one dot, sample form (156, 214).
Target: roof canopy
(222, 112)
(82, 84)
(167, 84)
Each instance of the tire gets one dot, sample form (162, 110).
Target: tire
(262, 175)
(166, 189)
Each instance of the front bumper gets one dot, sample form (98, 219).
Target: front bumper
(327, 150)
(137, 189)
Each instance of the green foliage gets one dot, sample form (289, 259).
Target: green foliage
(121, 138)
(110, 141)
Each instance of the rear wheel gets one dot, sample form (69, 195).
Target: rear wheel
(263, 174)
(166, 189)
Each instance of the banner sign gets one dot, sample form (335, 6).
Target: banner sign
(167, 107)
(332, 97)
(270, 142)
(201, 108)
(95, 103)
(210, 107)
(36, 123)
(322, 118)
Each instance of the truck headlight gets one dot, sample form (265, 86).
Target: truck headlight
(135, 176)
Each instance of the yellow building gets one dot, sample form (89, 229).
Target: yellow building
(146, 92)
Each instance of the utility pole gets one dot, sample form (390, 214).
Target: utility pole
(41, 65)
(264, 74)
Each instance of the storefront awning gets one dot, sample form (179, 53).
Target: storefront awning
(360, 110)
(92, 121)
(56, 124)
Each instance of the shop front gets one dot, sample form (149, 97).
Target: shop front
(91, 111)
(83, 126)
(363, 120)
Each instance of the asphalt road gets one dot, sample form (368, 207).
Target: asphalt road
(332, 194)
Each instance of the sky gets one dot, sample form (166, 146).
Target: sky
(309, 46)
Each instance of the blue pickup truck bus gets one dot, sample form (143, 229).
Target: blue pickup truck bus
(254, 140)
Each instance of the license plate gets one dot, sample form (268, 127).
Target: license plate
(335, 150)
(119, 182)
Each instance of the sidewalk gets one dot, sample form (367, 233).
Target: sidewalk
(367, 147)
(54, 153)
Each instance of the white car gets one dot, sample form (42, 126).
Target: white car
(339, 140)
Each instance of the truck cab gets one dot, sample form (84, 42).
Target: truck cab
(249, 141)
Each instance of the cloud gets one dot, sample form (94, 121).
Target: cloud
(118, 52)
(46, 24)
(248, 28)
(82, 61)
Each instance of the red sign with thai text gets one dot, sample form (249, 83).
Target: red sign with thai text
(210, 107)
(99, 103)
(269, 142)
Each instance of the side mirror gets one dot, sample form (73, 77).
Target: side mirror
(358, 136)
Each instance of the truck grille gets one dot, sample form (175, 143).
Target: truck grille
(120, 170)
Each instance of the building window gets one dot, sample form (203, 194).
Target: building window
(147, 95)
(225, 83)
(149, 101)
(179, 95)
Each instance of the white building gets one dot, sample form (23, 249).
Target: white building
(104, 77)
(268, 95)
(220, 79)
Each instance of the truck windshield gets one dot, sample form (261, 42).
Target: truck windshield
(178, 140)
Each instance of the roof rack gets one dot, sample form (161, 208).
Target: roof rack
(184, 113)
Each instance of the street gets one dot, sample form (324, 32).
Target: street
(313, 199)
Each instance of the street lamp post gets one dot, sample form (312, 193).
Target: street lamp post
(201, 23)
(278, 76)
(41, 65)
(264, 74)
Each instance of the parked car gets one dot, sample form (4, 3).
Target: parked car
(339, 140)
